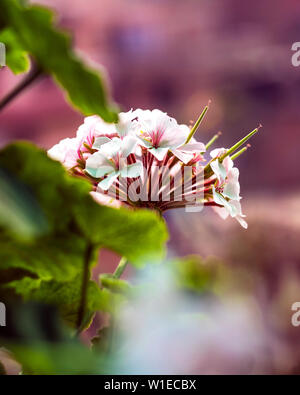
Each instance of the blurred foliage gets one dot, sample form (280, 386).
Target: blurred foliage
(50, 267)
(42, 345)
(31, 29)
(19, 211)
(17, 58)
(195, 274)
(66, 296)
(116, 285)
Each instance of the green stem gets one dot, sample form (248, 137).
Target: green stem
(84, 286)
(120, 268)
(32, 76)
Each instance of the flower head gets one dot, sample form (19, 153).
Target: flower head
(149, 160)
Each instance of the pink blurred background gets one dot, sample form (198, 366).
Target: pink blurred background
(176, 55)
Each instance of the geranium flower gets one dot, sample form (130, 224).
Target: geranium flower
(111, 161)
(226, 190)
(148, 160)
(160, 133)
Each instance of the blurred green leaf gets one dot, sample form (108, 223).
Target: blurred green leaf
(57, 359)
(66, 297)
(19, 210)
(195, 273)
(49, 268)
(57, 257)
(74, 217)
(116, 285)
(52, 48)
(17, 58)
(42, 345)
(138, 235)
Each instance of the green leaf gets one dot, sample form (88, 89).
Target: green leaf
(19, 210)
(74, 218)
(17, 58)
(195, 273)
(56, 359)
(116, 285)
(57, 257)
(52, 49)
(37, 339)
(138, 235)
(49, 268)
(66, 297)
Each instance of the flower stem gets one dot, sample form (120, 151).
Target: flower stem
(31, 77)
(120, 268)
(84, 286)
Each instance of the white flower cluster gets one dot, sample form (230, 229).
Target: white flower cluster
(144, 142)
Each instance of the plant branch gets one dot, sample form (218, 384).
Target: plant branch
(29, 79)
(84, 287)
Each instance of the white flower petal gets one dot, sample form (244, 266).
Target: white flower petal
(65, 152)
(232, 186)
(242, 222)
(126, 126)
(128, 145)
(97, 165)
(111, 148)
(99, 141)
(132, 171)
(219, 170)
(144, 142)
(109, 180)
(183, 156)
(193, 147)
(172, 138)
(228, 164)
(159, 153)
(219, 199)
(217, 152)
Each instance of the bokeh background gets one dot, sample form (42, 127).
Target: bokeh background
(175, 55)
